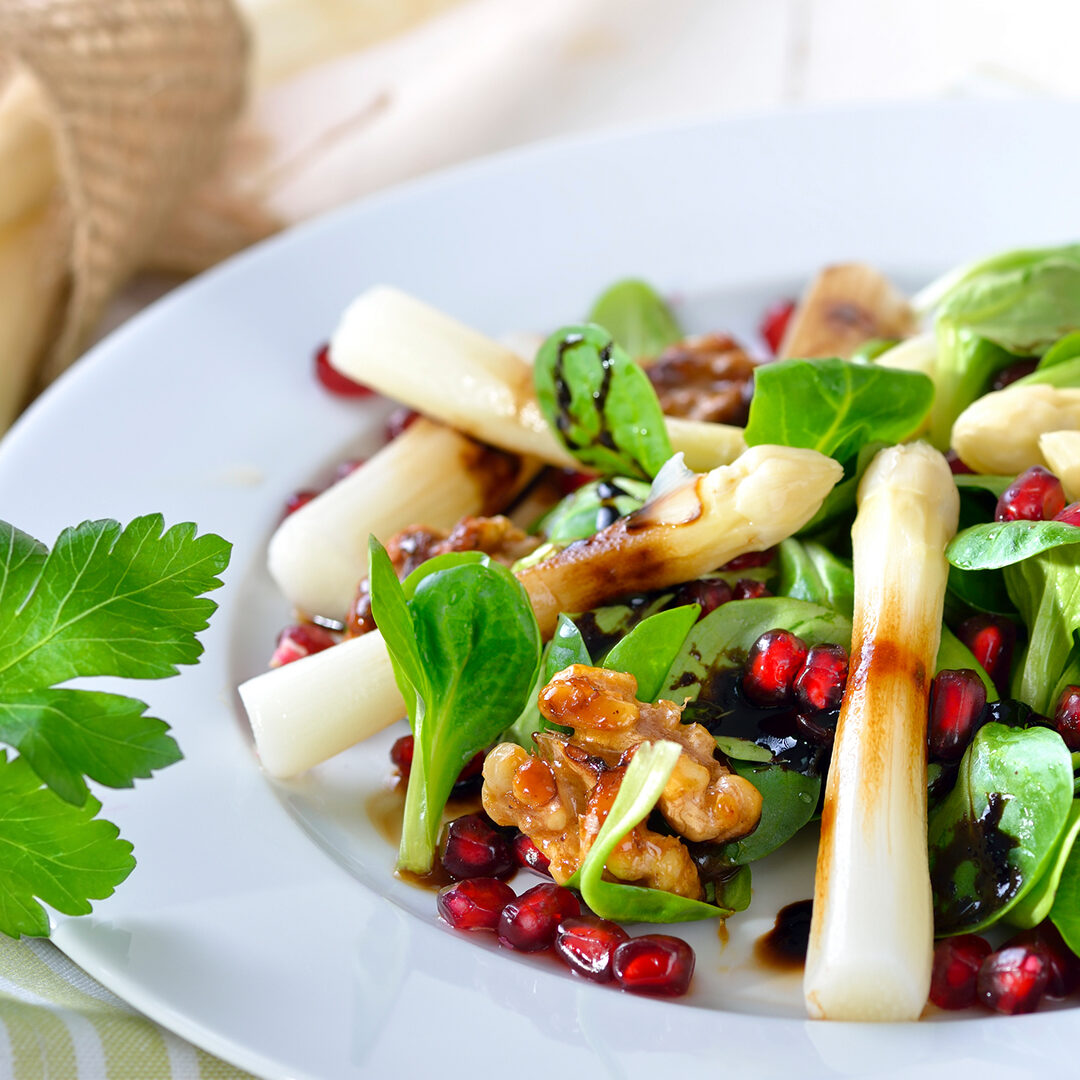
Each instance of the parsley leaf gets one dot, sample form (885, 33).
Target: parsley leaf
(52, 851)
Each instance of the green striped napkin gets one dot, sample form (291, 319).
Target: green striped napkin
(56, 1023)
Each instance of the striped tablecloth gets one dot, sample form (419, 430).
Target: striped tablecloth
(56, 1023)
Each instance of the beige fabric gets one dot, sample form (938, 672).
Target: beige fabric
(141, 94)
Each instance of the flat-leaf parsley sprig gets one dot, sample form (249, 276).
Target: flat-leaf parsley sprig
(106, 601)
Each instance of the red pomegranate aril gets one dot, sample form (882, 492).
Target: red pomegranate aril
(1007, 376)
(751, 560)
(991, 641)
(956, 700)
(1067, 717)
(529, 923)
(529, 855)
(1013, 980)
(956, 970)
(749, 589)
(570, 481)
(400, 420)
(1070, 515)
(1035, 495)
(820, 684)
(587, 945)
(774, 323)
(475, 904)
(298, 499)
(296, 642)
(708, 594)
(1064, 967)
(819, 729)
(654, 964)
(401, 754)
(956, 466)
(473, 848)
(774, 661)
(334, 381)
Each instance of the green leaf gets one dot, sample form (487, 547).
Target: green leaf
(954, 655)
(1002, 543)
(52, 851)
(648, 650)
(788, 802)
(835, 406)
(105, 601)
(809, 571)
(465, 642)
(593, 507)
(870, 351)
(1046, 591)
(64, 734)
(637, 318)
(1063, 374)
(1065, 912)
(1063, 350)
(996, 485)
(643, 783)
(1035, 906)
(600, 404)
(742, 749)
(994, 834)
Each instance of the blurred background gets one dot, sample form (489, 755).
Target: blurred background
(143, 141)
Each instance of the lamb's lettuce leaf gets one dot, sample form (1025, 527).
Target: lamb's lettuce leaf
(637, 317)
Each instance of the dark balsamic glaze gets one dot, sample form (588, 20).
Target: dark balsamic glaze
(600, 643)
(784, 946)
(563, 398)
(982, 845)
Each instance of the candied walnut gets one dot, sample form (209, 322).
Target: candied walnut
(560, 797)
(496, 536)
(704, 378)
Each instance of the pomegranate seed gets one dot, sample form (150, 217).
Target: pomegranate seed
(991, 640)
(588, 944)
(529, 923)
(401, 754)
(1067, 717)
(749, 589)
(570, 481)
(751, 560)
(296, 642)
(400, 420)
(774, 661)
(654, 964)
(1035, 495)
(1070, 515)
(1007, 376)
(475, 904)
(1013, 980)
(347, 468)
(707, 594)
(473, 767)
(775, 322)
(819, 729)
(334, 381)
(298, 499)
(820, 684)
(956, 466)
(956, 969)
(529, 855)
(473, 848)
(1064, 967)
(956, 700)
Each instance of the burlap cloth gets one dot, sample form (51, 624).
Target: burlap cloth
(142, 96)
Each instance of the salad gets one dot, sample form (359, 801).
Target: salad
(668, 606)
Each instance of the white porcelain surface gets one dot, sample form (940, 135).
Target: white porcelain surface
(263, 922)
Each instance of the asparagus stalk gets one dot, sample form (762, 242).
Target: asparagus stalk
(306, 711)
(430, 474)
(999, 432)
(450, 372)
(871, 935)
(1061, 452)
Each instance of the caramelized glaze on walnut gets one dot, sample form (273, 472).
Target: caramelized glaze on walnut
(560, 797)
(704, 378)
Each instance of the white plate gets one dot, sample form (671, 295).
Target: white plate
(262, 923)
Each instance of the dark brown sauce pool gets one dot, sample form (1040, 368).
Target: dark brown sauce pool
(783, 948)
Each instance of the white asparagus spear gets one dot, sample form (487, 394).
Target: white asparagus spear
(999, 432)
(430, 475)
(871, 935)
(700, 523)
(1061, 452)
(418, 355)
